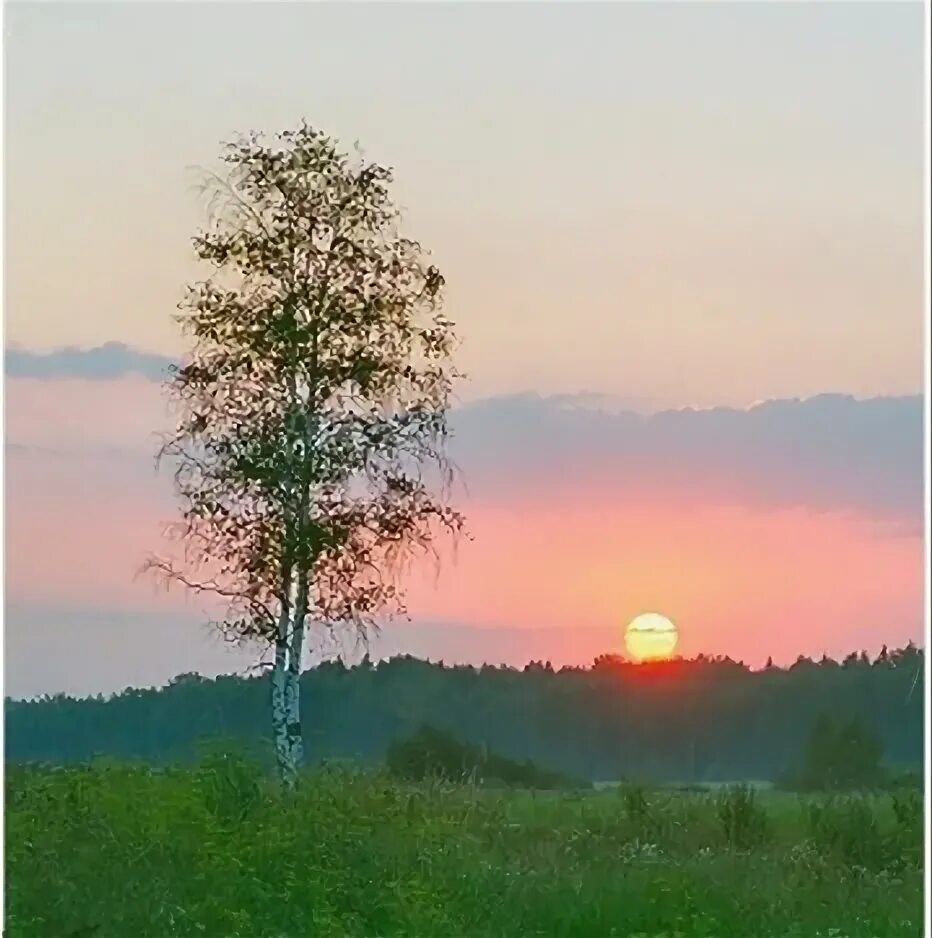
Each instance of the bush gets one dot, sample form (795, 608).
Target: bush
(433, 753)
(907, 808)
(637, 807)
(847, 828)
(908, 835)
(230, 784)
(744, 821)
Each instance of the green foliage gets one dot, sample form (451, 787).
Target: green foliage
(648, 816)
(839, 756)
(634, 795)
(744, 822)
(847, 827)
(311, 407)
(432, 753)
(907, 807)
(908, 810)
(230, 784)
(905, 779)
(600, 725)
(121, 851)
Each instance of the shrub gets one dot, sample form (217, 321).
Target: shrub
(907, 837)
(434, 753)
(847, 828)
(230, 784)
(431, 753)
(637, 807)
(907, 808)
(744, 821)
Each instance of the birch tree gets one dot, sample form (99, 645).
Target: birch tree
(308, 450)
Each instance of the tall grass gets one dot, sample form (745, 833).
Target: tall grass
(127, 852)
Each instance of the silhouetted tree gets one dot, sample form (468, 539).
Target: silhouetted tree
(314, 395)
(435, 753)
(840, 755)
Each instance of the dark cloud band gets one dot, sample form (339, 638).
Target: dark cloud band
(101, 363)
(833, 451)
(830, 452)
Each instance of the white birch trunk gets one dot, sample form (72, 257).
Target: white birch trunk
(293, 686)
(286, 769)
(282, 692)
(289, 648)
(286, 709)
(295, 740)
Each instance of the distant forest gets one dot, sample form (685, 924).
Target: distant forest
(703, 719)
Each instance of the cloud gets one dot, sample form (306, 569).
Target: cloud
(101, 363)
(791, 527)
(830, 452)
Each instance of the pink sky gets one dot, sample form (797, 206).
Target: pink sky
(742, 569)
(641, 207)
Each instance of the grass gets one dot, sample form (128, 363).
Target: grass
(116, 850)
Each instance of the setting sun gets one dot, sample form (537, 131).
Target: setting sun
(651, 637)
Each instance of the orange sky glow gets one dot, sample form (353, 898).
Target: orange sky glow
(574, 558)
(683, 248)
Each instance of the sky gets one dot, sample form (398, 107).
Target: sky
(683, 247)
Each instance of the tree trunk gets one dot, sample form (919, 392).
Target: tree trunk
(293, 683)
(289, 648)
(286, 686)
(295, 741)
(287, 770)
(284, 694)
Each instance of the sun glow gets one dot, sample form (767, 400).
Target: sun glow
(651, 637)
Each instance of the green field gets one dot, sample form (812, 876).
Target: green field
(116, 851)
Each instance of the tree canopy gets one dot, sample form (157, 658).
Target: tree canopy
(309, 446)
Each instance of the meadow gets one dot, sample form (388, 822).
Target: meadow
(115, 850)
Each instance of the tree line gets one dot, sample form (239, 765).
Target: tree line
(701, 719)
